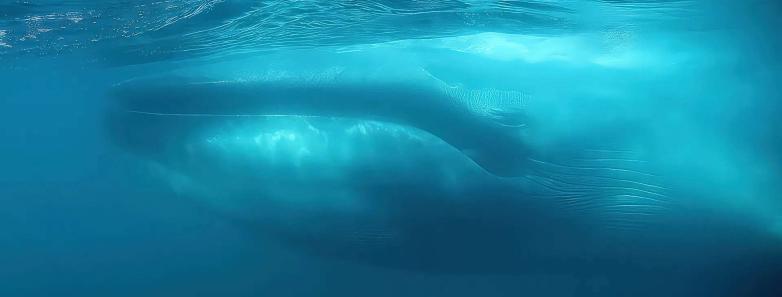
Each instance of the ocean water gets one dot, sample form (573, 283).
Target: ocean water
(390, 148)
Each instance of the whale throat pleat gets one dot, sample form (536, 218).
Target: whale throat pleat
(616, 188)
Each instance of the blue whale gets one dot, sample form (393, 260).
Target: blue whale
(420, 176)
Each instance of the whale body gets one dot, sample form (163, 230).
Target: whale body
(412, 176)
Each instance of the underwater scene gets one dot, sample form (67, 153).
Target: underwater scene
(604, 148)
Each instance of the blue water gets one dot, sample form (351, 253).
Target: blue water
(390, 148)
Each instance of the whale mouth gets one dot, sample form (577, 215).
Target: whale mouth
(460, 118)
(245, 165)
(307, 147)
(151, 126)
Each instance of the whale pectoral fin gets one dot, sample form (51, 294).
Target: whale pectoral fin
(617, 189)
